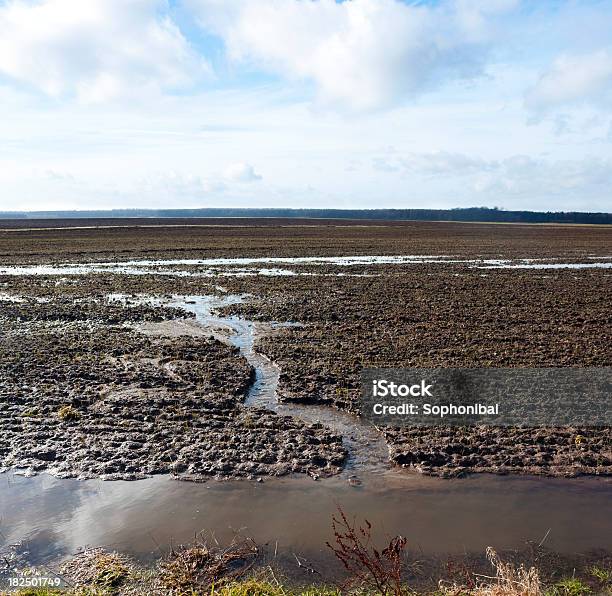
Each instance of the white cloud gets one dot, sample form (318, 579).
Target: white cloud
(58, 176)
(507, 178)
(96, 50)
(178, 184)
(187, 185)
(241, 172)
(572, 79)
(444, 163)
(361, 54)
(523, 175)
(206, 145)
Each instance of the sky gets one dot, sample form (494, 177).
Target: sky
(305, 103)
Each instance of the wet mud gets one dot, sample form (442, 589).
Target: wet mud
(84, 394)
(155, 391)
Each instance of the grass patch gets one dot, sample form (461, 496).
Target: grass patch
(262, 587)
(68, 413)
(509, 580)
(38, 592)
(569, 587)
(100, 571)
(603, 576)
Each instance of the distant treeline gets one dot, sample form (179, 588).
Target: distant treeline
(484, 214)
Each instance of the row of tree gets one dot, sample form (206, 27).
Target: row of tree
(480, 214)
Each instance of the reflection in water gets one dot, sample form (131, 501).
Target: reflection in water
(507, 265)
(438, 516)
(240, 267)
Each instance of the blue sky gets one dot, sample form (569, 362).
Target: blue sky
(305, 103)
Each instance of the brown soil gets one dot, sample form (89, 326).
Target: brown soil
(433, 315)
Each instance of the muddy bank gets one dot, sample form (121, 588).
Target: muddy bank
(452, 452)
(245, 567)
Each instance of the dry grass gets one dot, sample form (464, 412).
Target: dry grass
(509, 580)
(96, 568)
(190, 569)
(68, 413)
(269, 587)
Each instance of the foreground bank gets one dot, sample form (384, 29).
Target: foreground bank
(242, 568)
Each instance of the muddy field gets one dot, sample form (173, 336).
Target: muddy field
(95, 386)
(85, 395)
(87, 240)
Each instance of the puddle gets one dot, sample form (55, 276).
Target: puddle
(4, 297)
(505, 265)
(118, 269)
(244, 267)
(214, 267)
(56, 517)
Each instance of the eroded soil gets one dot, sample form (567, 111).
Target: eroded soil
(150, 404)
(84, 394)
